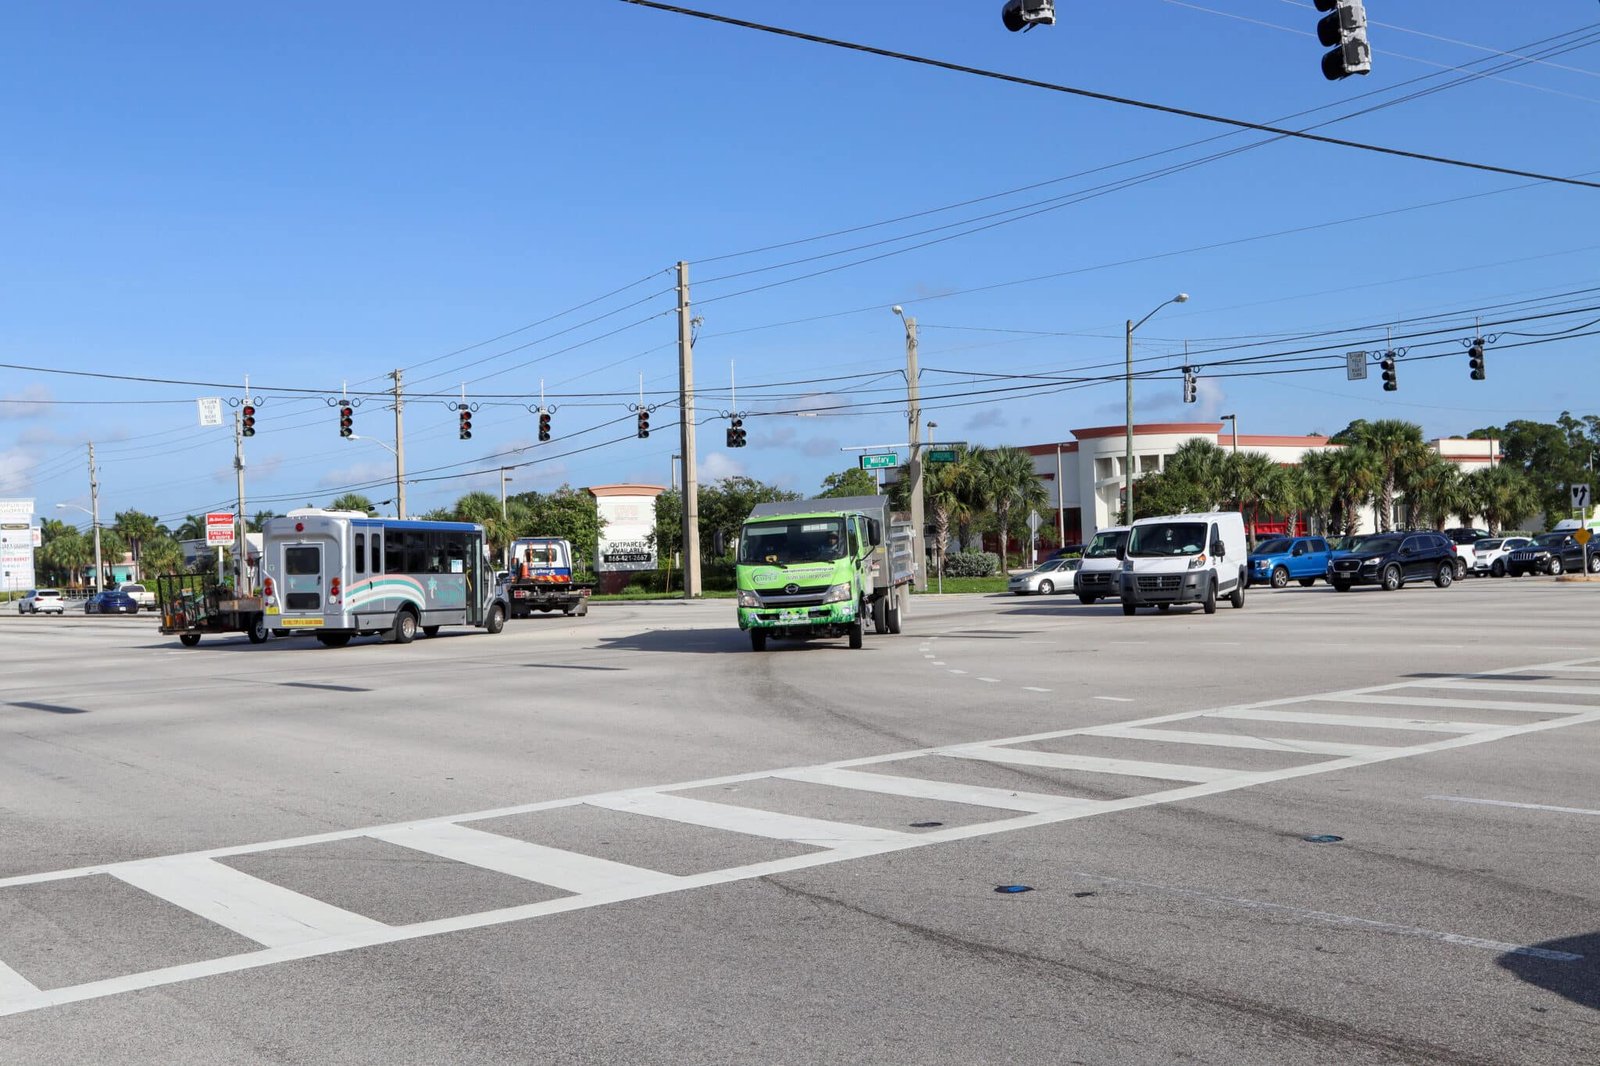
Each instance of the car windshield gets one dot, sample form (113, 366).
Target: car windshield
(1487, 545)
(1105, 545)
(1275, 546)
(1168, 538)
(1550, 540)
(1380, 545)
(801, 540)
(1049, 565)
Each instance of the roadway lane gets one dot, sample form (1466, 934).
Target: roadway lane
(629, 838)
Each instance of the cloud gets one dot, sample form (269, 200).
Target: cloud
(718, 465)
(354, 474)
(14, 478)
(28, 402)
(47, 436)
(989, 416)
(819, 447)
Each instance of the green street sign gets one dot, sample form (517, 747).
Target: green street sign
(880, 461)
(941, 455)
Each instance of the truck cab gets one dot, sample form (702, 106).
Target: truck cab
(541, 576)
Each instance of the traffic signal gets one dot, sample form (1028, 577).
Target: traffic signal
(1344, 31)
(544, 425)
(347, 419)
(1390, 384)
(1025, 14)
(736, 434)
(248, 421)
(1475, 358)
(466, 424)
(1191, 386)
(644, 424)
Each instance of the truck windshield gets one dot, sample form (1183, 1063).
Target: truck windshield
(1168, 538)
(800, 540)
(1105, 545)
(1275, 546)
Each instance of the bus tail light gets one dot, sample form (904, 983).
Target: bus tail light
(266, 588)
(334, 589)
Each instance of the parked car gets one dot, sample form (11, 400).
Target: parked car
(1464, 538)
(1389, 560)
(1489, 556)
(42, 601)
(1275, 562)
(111, 601)
(145, 598)
(1552, 553)
(1052, 575)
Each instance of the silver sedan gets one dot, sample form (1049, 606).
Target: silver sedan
(1052, 575)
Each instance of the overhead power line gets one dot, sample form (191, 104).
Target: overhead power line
(1109, 98)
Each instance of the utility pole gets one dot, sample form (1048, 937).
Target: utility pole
(691, 484)
(241, 548)
(914, 469)
(399, 448)
(1061, 503)
(94, 516)
(503, 480)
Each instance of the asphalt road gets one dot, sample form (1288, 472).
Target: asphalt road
(630, 839)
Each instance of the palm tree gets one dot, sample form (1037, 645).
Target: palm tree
(1254, 480)
(484, 509)
(1013, 487)
(1203, 467)
(1314, 488)
(161, 556)
(1352, 479)
(67, 555)
(259, 519)
(1503, 495)
(1395, 446)
(193, 527)
(1434, 492)
(136, 528)
(353, 501)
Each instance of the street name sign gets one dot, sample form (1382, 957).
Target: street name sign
(941, 455)
(880, 461)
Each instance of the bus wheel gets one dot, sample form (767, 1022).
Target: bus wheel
(405, 627)
(430, 631)
(188, 640)
(496, 619)
(333, 640)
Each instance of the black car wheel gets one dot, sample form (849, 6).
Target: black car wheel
(1339, 586)
(1446, 575)
(1307, 582)
(1460, 569)
(1497, 568)
(1280, 577)
(1391, 578)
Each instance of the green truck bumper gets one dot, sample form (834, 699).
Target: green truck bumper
(826, 616)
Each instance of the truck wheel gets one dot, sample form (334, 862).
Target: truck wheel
(430, 631)
(880, 615)
(758, 640)
(892, 612)
(405, 627)
(1237, 599)
(496, 619)
(1127, 608)
(1280, 577)
(188, 640)
(333, 640)
(1209, 604)
(258, 632)
(857, 632)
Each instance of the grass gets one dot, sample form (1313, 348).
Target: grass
(968, 585)
(642, 594)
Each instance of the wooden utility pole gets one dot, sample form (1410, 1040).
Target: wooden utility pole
(399, 448)
(691, 484)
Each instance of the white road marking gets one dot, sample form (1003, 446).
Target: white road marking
(1512, 686)
(953, 671)
(13, 985)
(990, 680)
(566, 870)
(1475, 705)
(1116, 699)
(1524, 806)
(936, 664)
(1091, 763)
(1498, 946)
(635, 883)
(774, 826)
(1231, 740)
(269, 914)
(1250, 714)
(945, 791)
(1034, 688)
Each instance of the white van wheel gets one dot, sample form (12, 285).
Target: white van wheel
(1209, 604)
(1237, 599)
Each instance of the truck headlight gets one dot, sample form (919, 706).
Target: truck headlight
(1197, 562)
(749, 599)
(839, 594)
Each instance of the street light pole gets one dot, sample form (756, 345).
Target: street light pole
(1127, 474)
(914, 470)
(1235, 420)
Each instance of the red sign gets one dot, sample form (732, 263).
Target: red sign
(219, 527)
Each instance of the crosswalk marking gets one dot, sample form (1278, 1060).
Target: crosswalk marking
(269, 914)
(1361, 721)
(1512, 686)
(285, 920)
(565, 870)
(1233, 740)
(812, 831)
(1091, 763)
(1471, 705)
(922, 788)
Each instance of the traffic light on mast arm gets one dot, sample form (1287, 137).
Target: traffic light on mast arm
(1026, 14)
(644, 424)
(736, 434)
(1475, 358)
(247, 420)
(1344, 31)
(466, 424)
(1191, 385)
(1390, 382)
(544, 425)
(347, 419)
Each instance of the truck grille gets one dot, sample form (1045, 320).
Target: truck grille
(1096, 579)
(1160, 582)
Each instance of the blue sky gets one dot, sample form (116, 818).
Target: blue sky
(314, 195)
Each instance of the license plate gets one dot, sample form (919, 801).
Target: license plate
(301, 623)
(519, 594)
(793, 616)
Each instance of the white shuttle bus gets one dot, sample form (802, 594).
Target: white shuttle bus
(341, 574)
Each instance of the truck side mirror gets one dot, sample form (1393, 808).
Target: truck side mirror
(719, 541)
(874, 532)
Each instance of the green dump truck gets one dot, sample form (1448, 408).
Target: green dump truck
(823, 568)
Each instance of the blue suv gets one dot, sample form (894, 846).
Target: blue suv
(1277, 561)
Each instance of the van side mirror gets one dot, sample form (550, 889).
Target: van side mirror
(1219, 549)
(874, 532)
(719, 541)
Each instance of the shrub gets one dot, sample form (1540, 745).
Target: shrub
(971, 564)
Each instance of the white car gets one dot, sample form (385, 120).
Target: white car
(141, 595)
(1052, 575)
(1489, 555)
(42, 601)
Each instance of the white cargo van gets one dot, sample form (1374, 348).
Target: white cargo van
(1102, 560)
(1185, 558)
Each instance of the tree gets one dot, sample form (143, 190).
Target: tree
(1193, 479)
(1503, 495)
(1434, 491)
(723, 507)
(1395, 446)
(137, 528)
(64, 553)
(568, 513)
(1552, 456)
(160, 555)
(1013, 487)
(944, 501)
(258, 520)
(1254, 480)
(1313, 488)
(1352, 479)
(353, 501)
(193, 527)
(852, 482)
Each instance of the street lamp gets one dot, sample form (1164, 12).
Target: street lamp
(399, 484)
(914, 424)
(94, 518)
(1235, 420)
(1127, 474)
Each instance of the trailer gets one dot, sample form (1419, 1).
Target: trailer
(193, 605)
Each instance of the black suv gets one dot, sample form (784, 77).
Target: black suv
(1389, 560)
(1552, 553)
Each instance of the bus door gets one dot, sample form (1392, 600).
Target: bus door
(479, 586)
(305, 591)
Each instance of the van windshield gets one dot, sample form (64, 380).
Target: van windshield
(1106, 545)
(1168, 538)
(801, 540)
